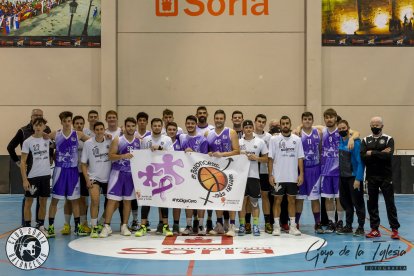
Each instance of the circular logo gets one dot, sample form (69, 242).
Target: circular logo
(27, 248)
(212, 179)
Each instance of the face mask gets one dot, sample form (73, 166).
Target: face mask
(343, 133)
(275, 129)
(376, 130)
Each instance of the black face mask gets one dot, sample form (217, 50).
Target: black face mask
(376, 130)
(275, 129)
(343, 133)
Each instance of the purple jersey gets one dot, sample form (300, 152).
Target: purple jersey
(219, 142)
(177, 145)
(66, 150)
(197, 143)
(124, 146)
(310, 143)
(330, 153)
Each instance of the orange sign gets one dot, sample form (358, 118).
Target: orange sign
(213, 7)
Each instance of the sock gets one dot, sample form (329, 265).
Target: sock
(160, 222)
(277, 223)
(41, 222)
(135, 214)
(77, 222)
(331, 215)
(83, 219)
(220, 220)
(292, 221)
(94, 222)
(341, 215)
(242, 221)
(27, 223)
(248, 217)
(255, 220)
(51, 221)
(67, 219)
(297, 217)
(188, 220)
(201, 220)
(232, 221)
(317, 217)
(267, 218)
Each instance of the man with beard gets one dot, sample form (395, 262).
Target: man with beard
(237, 120)
(202, 125)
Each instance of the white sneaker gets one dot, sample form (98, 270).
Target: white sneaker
(106, 231)
(276, 231)
(125, 231)
(218, 230)
(294, 231)
(201, 231)
(44, 231)
(232, 231)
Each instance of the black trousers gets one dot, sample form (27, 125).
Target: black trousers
(351, 199)
(387, 189)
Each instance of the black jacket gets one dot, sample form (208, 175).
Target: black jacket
(379, 164)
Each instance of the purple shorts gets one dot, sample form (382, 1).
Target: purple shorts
(66, 183)
(311, 187)
(120, 186)
(330, 186)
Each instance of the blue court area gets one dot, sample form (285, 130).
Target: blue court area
(265, 255)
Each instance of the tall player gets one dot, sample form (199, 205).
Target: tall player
(167, 117)
(311, 188)
(256, 151)
(223, 142)
(93, 117)
(96, 167)
(121, 186)
(113, 129)
(66, 183)
(202, 125)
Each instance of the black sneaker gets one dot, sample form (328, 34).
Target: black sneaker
(319, 229)
(339, 225)
(331, 227)
(344, 230)
(359, 232)
(147, 225)
(248, 228)
(160, 227)
(209, 225)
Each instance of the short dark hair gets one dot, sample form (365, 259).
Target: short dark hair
(131, 120)
(330, 112)
(171, 124)
(236, 112)
(111, 112)
(93, 112)
(98, 124)
(167, 112)
(201, 107)
(344, 122)
(156, 120)
(220, 111)
(284, 117)
(78, 117)
(307, 114)
(191, 118)
(338, 118)
(142, 115)
(65, 114)
(260, 116)
(39, 120)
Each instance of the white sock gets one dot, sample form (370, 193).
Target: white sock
(201, 221)
(94, 222)
(331, 215)
(188, 220)
(83, 219)
(135, 214)
(277, 223)
(67, 219)
(292, 222)
(341, 215)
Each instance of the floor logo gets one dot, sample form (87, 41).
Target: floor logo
(27, 248)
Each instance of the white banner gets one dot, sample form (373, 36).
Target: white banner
(176, 179)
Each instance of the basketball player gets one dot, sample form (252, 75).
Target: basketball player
(311, 187)
(96, 168)
(120, 185)
(285, 159)
(156, 141)
(168, 116)
(93, 117)
(36, 182)
(113, 129)
(223, 142)
(66, 183)
(237, 120)
(256, 151)
(202, 125)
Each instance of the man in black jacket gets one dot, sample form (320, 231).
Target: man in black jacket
(376, 152)
(22, 134)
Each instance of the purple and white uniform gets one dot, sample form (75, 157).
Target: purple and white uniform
(202, 130)
(219, 142)
(66, 182)
(147, 133)
(197, 143)
(177, 145)
(121, 185)
(330, 164)
(311, 187)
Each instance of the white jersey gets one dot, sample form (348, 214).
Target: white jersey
(254, 146)
(202, 130)
(88, 132)
(266, 138)
(147, 133)
(116, 133)
(95, 154)
(163, 140)
(39, 148)
(179, 131)
(285, 152)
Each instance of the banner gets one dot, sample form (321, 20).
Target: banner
(176, 179)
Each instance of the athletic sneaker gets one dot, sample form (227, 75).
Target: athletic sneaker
(134, 225)
(226, 225)
(344, 230)
(106, 231)
(86, 228)
(80, 231)
(51, 231)
(142, 231)
(201, 231)
(242, 230)
(256, 231)
(159, 229)
(100, 227)
(276, 230)
(125, 231)
(268, 228)
(248, 228)
(187, 231)
(166, 231)
(339, 225)
(209, 225)
(395, 235)
(176, 229)
(359, 232)
(232, 231)
(218, 230)
(66, 229)
(285, 227)
(373, 234)
(147, 225)
(43, 230)
(319, 229)
(94, 232)
(331, 227)
(294, 231)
